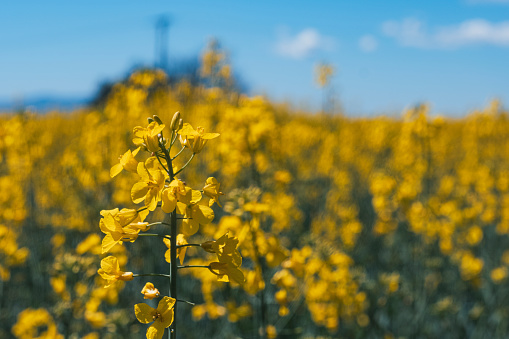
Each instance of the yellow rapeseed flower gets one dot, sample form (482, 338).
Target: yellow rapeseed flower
(151, 185)
(196, 212)
(498, 274)
(194, 140)
(149, 291)
(225, 248)
(115, 233)
(227, 271)
(110, 271)
(211, 190)
(176, 191)
(148, 137)
(127, 162)
(181, 252)
(35, 323)
(162, 316)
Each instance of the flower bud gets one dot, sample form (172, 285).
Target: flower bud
(181, 123)
(150, 120)
(126, 276)
(208, 246)
(174, 121)
(220, 267)
(156, 118)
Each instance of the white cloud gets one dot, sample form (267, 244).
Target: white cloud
(413, 33)
(368, 43)
(302, 44)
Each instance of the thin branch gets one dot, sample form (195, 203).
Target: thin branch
(174, 139)
(183, 148)
(187, 302)
(185, 165)
(193, 266)
(162, 164)
(187, 245)
(154, 235)
(152, 275)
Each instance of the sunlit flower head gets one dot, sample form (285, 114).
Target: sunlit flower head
(194, 140)
(110, 271)
(211, 189)
(162, 316)
(149, 291)
(148, 137)
(127, 162)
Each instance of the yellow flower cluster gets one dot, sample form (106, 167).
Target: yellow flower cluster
(334, 210)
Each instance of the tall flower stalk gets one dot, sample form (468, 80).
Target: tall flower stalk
(159, 187)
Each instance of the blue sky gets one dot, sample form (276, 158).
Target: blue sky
(388, 54)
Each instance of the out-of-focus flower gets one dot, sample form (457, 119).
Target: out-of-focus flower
(35, 323)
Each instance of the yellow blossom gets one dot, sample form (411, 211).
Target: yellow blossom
(225, 248)
(148, 137)
(195, 213)
(227, 271)
(181, 252)
(110, 271)
(211, 190)
(115, 233)
(271, 332)
(498, 274)
(35, 323)
(176, 191)
(127, 162)
(162, 316)
(151, 185)
(194, 140)
(149, 291)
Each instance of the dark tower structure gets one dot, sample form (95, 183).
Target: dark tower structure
(161, 50)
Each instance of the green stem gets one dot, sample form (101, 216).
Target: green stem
(173, 139)
(158, 223)
(154, 235)
(183, 148)
(187, 163)
(187, 302)
(187, 245)
(162, 164)
(173, 271)
(172, 331)
(151, 275)
(193, 266)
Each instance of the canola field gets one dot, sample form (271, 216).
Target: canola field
(346, 227)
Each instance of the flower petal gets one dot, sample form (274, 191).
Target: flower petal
(139, 191)
(144, 313)
(116, 169)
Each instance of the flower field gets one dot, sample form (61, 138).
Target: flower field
(347, 227)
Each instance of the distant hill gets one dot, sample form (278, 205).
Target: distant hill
(44, 103)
